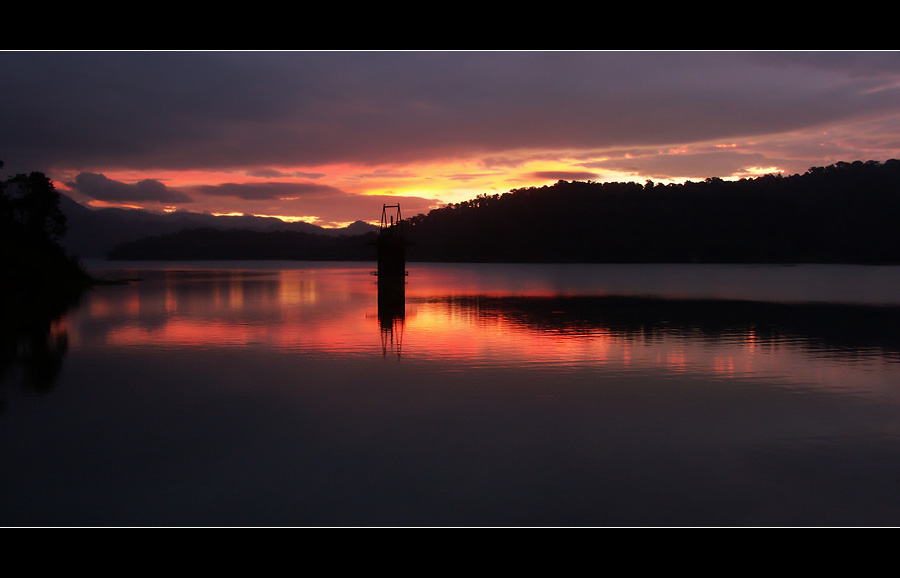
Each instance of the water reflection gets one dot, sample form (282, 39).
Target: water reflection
(392, 312)
(828, 346)
(34, 339)
(291, 309)
(308, 395)
(844, 331)
(469, 319)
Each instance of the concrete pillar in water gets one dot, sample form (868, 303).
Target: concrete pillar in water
(391, 246)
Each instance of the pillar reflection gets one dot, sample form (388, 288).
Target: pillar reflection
(391, 313)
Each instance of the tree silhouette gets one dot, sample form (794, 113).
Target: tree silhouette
(33, 206)
(846, 212)
(31, 227)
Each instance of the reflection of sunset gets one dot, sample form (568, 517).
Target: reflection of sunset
(284, 310)
(328, 309)
(724, 365)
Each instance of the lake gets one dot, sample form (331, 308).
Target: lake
(294, 394)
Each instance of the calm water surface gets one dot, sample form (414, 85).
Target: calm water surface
(295, 394)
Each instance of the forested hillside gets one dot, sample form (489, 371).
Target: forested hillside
(847, 212)
(842, 213)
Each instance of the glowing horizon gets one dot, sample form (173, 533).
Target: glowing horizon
(430, 185)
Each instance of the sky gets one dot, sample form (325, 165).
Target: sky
(328, 137)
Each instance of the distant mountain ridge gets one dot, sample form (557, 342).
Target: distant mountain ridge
(93, 233)
(207, 244)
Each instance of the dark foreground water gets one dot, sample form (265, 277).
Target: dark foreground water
(290, 394)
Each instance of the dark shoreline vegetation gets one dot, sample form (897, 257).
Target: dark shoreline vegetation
(842, 213)
(32, 226)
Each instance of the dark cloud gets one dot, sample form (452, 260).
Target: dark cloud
(269, 191)
(269, 173)
(97, 186)
(181, 110)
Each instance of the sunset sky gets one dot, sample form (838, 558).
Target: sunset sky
(328, 137)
